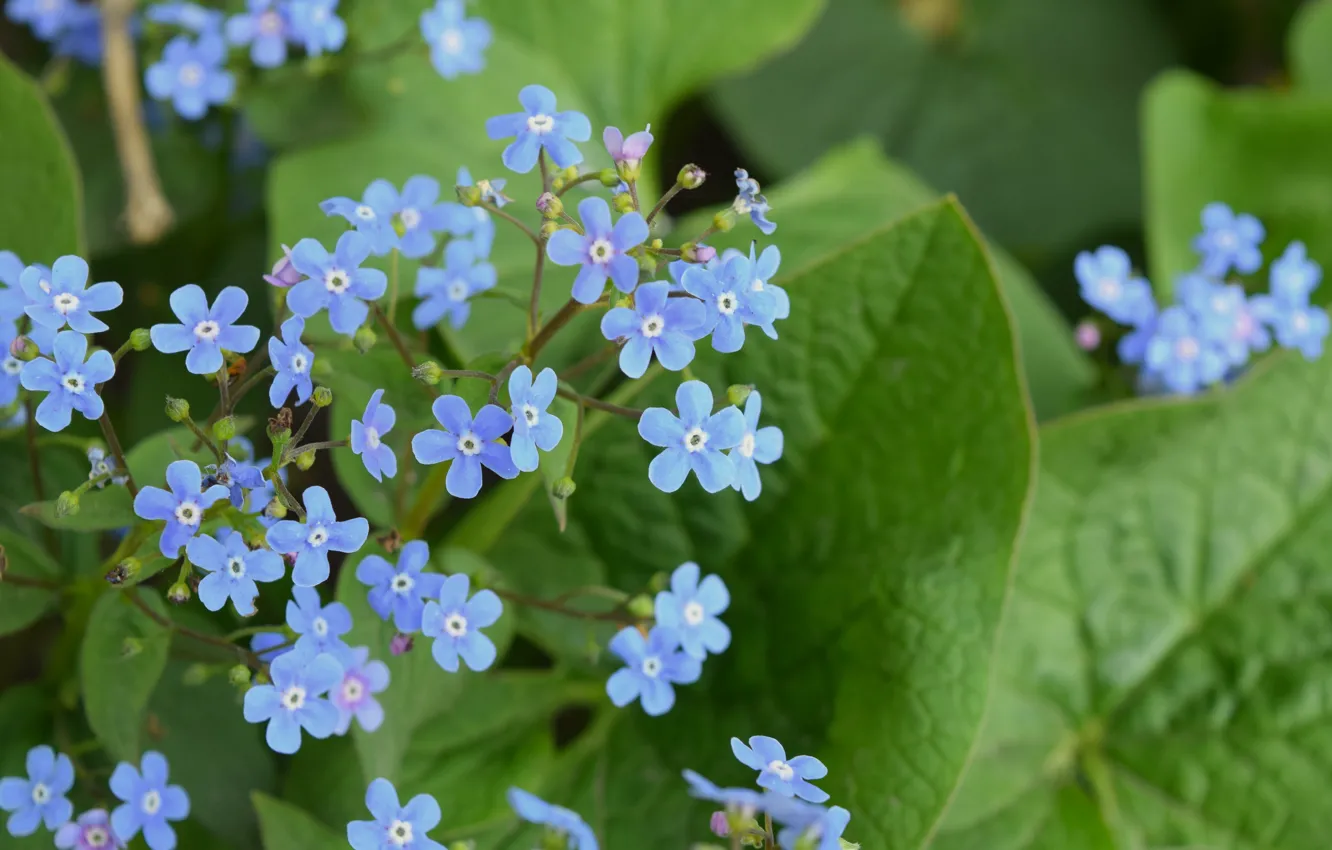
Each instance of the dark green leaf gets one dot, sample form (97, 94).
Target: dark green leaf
(149, 459)
(117, 684)
(22, 606)
(1310, 58)
(99, 510)
(285, 827)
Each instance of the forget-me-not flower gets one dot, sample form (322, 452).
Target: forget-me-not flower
(693, 440)
(757, 445)
(1296, 325)
(191, 16)
(690, 608)
(457, 43)
(296, 699)
(46, 18)
(628, 152)
(319, 626)
(656, 324)
(652, 666)
(316, 26)
(192, 75)
(336, 281)
(203, 331)
(70, 380)
(1107, 283)
(418, 215)
(533, 427)
(92, 831)
(265, 645)
(372, 216)
(401, 592)
(455, 622)
(39, 799)
(237, 476)
(446, 291)
(558, 819)
(264, 26)
(100, 465)
(367, 434)
(1293, 276)
(11, 368)
(749, 201)
(395, 826)
(355, 697)
(539, 126)
(601, 250)
(807, 825)
(12, 297)
(292, 359)
(730, 300)
(66, 299)
(762, 269)
(492, 190)
(1224, 316)
(734, 799)
(182, 506)
(790, 778)
(149, 802)
(1228, 241)
(233, 568)
(1181, 355)
(81, 39)
(468, 443)
(476, 221)
(313, 539)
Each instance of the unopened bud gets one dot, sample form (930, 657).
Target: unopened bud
(390, 542)
(609, 177)
(1087, 335)
(178, 593)
(279, 430)
(691, 176)
(323, 397)
(177, 409)
(847, 845)
(225, 428)
(738, 394)
(23, 348)
(470, 196)
(195, 675)
(558, 184)
(549, 205)
(569, 174)
(548, 228)
(659, 582)
(564, 488)
(123, 571)
(401, 644)
(724, 220)
(554, 839)
(364, 339)
(67, 504)
(130, 647)
(239, 676)
(466, 844)
(623, 203)
(640, 606)
(284, 274)
(140, 339)
(305, 460)
(719, 824)
(275, 509)
(428, 373)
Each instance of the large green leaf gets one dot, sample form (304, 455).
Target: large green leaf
(285, 827)
(1027, 109)
(1262, 152)
(118, 678)
(99, 510)
(23, 558)
(1310, 58)
(35, 166)
(620, 68)
(1162, 667)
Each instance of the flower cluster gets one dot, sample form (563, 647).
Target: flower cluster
(1215, 326)
(72, 29)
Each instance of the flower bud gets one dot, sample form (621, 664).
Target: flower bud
(548, 228)
(239, 676)
(609, 177)
(130, 647)
(177, 409)
(284, 274)
(178, 593)
(558, 184)
(719, 824)
(623, 203)
(225, 428)
(305, 460)
(691, 176)
(67, 504)
(123, 571)
(364, 339)
(323, 397)
(564, 488)
(550, 206)
(23, 348)
(554, 839)
(195, 675)
(401, 644)
(275, 509)
(569, 174)
(428, 373)
(1087, 335)
(140, 339)
(704, 254)
(629, 169)
(469, 196)
(321, 368)
(724, 220)
(391, 541)
(659, 582)
(640, 606)
(738, 394)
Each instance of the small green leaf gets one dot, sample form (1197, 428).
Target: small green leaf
(99, 510)
(119, 678)
(23, 606)
(285, 827)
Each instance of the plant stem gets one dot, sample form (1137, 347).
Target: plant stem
(250, 631)
(577, 441)
(125, 348)
(244, 388)
(548, 605)
(113, 443)
(224, 393)
(566, 313)
(582, 178)
(545, 170)
(494, 210)
(295, 444)
(393, 285)
(38, 488)
(400, 346)
(249, 657)
(24, 581)
(597, 404)
(665, 199)
(314, 447)
(203, 439)
(633, 192)
(534, 306)
(285, 495)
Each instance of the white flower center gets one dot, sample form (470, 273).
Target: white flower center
(1220, 304)
(319, 15)
(371, 438)
(602, 251)
(746, 447)
(458, 291)
(451, 42)
(651, 666)
(653, 326)
(1244, 326)
(99, 468)
(365, 213)
(1300, 322)
(352, 690)
(207, 330)
(190, 75)
(236, 567)
(410, 218)
(318, 536)
(299, 364)
(270, 23)
(1187, 348)
(73, 382)
(531, 415)
(782, 769)
(320, 626)
(469, 444)
(65, 302)
(96, 836)
(1108, 288)
(485, 187)
(336, 281)
(40, 794)
(12, 365)
(540, 124)
(293, 698)
(152, 802)
(188, 513)
(757, 285)
(693, 613)
(455, 625)
(727, 302)
(400, 833)
(403, 584)
(696, 439)
(1226, 239)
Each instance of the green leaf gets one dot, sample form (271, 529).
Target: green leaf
(1310, 35)
(1027, 109)
(99, 510)
(20, 607)
(36, 165)
(554, 463)
(1261, 152)
(117, 685)
(285, 827)
(149, 459)
(1163, 646)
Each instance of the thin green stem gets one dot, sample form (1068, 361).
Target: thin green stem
(125, 348)
(577, 441)
(393, 285)
(545, 170)
(597, 404)
(534, 306)
(494, 210)
(249, 657)
(284, 494)
(582, 178)
(224, 394)
(250, 382)
(295, 443)
(203, 439)
(566, 313)
(620, 617)
(113, 443)
(400, 346)
(633, 192)
(314, 447)
(665, 199)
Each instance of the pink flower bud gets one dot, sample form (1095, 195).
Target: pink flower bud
(1087, 335)
(400, 644)
(705, 253)
(720, 824)
(284, 274)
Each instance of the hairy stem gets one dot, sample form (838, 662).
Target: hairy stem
(597, 404)
(248, 657)
(393, 285)
(314, 447)
(545, 170)
(665, 199)
(616, 616)
(113, 443)
(295, 443)
(582, 178)
(400, 346)
(566, 313)
(534, 305)
(494, 210)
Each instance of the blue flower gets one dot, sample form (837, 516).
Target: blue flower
(730, 300)
(808, 825)
(292, 359)
(690, 609)
(395, 826)
(182, 508)
(1228, 241)
(476, 221)
(336, 282)
(652, 667)
(70, 381)
(533, 427)
(12, 298)
(540, 126)
(39, 799)
(198, 19)
(265, 645)
(320, 626)
(492, 190)
(367, 435)
(259, 499)
(734, 799)
(401, 591)
(558, 819)
(203, 331)
(693, 440)
(455, 622)
(92, 831)
(457, 43)
(790, 778)
(81, 38)
(757, 445)
(372, 216)
(265, 27)
(316, 25)
(149, 802)
(418, 216)
(1296, 325)
(601, 250)
(630, 151)
(1293, 276)
(361, 680)
(237, 476)
(67, 299)
(469, 443)
(233, 568)
(1178, 352)
(314, 538)
(655, 324)
(47, 18)
(99, 466)
(750, 202)
(445, 291)
(295, 700)
(11, 368)
(1106, 282)
(763, 269)
(1224, 317)
(191, 75)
